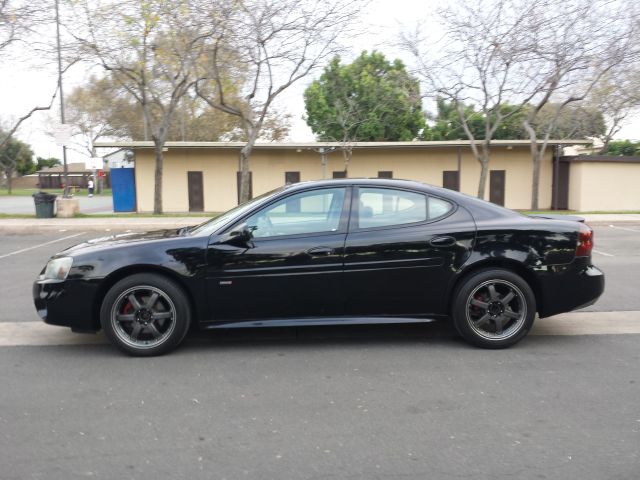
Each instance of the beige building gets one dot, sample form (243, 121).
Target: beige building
(601, 183)
(202, 176)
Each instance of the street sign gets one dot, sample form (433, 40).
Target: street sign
(94, 163)
(62, 134)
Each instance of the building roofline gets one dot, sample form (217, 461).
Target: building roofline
(330, 145)
(599, 158)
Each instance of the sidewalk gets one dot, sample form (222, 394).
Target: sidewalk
(97, 224)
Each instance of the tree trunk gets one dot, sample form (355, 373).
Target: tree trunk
(483, 159)
(245, 164)
(157, 195)
(536, 155)
(535, 180)
(9, 180)
(346, 154)
(245, 168)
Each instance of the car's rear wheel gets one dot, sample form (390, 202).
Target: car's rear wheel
(145, 315)
(493, 308)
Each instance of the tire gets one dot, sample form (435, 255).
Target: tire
(493, 308)
(145, 315)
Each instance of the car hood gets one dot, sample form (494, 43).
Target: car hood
(123, 239)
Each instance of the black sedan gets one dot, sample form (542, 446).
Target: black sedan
(328, 252)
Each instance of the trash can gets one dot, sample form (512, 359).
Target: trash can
(44, 204)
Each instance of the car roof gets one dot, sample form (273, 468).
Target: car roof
(378, 182)
(480, 207)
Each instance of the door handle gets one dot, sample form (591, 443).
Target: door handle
(443, 241)
(317, 251)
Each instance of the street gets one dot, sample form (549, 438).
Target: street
(411, 402)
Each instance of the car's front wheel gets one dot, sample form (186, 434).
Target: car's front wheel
(493, 308)
(145, 314)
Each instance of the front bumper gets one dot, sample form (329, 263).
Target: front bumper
(68, 303)
(570, 288)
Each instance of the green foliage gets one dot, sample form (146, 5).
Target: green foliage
(573, 121)
(42, 163)
(625, 148)
(370, 99)
(16, 157)
(448, 126)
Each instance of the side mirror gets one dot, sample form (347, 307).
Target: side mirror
(241, 235)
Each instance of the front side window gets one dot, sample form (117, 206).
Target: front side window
(316, 211)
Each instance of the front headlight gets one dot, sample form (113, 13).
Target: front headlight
(58, 268)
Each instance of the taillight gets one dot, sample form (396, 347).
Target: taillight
(585, 241)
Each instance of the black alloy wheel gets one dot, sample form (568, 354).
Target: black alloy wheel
(145, 315)
(493, 308)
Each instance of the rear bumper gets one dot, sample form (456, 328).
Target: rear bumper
(571, 287)
(68, 303)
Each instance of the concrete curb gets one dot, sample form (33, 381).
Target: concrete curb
(574, 323)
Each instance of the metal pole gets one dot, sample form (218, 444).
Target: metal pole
(64, 148)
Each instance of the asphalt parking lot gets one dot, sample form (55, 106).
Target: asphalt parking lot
(410, 402)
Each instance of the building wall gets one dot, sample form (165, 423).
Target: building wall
(219, 168)
(601, 186)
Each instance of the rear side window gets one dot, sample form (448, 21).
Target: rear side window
(384, 207)
(438, 208)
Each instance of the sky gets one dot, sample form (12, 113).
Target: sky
(25, 83)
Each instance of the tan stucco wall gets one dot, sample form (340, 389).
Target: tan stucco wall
(219, 168)
(598, 186)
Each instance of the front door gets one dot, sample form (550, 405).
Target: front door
(401, 252)
(292, 265)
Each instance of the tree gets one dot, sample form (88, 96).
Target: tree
(153, 56)
(15, 157)
(579, 121)
(447, 126)
(264, 47)
(624, 148)
(617, 96)
(102, 108)
(480, 63)
(577, 43)
(371, 99)
(19, 22)
(42, 163)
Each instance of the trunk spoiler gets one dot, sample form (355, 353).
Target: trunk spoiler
(551, 216)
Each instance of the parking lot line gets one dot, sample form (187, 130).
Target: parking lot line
(625, 228)
(40, 245)
(603, 253)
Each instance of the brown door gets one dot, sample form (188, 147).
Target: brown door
(560, 193)
(196, 192)
(496, 186)
(451, 180)
(291, 177)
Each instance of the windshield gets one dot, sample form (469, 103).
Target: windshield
(215, 223)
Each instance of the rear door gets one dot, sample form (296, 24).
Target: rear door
(401, 251)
